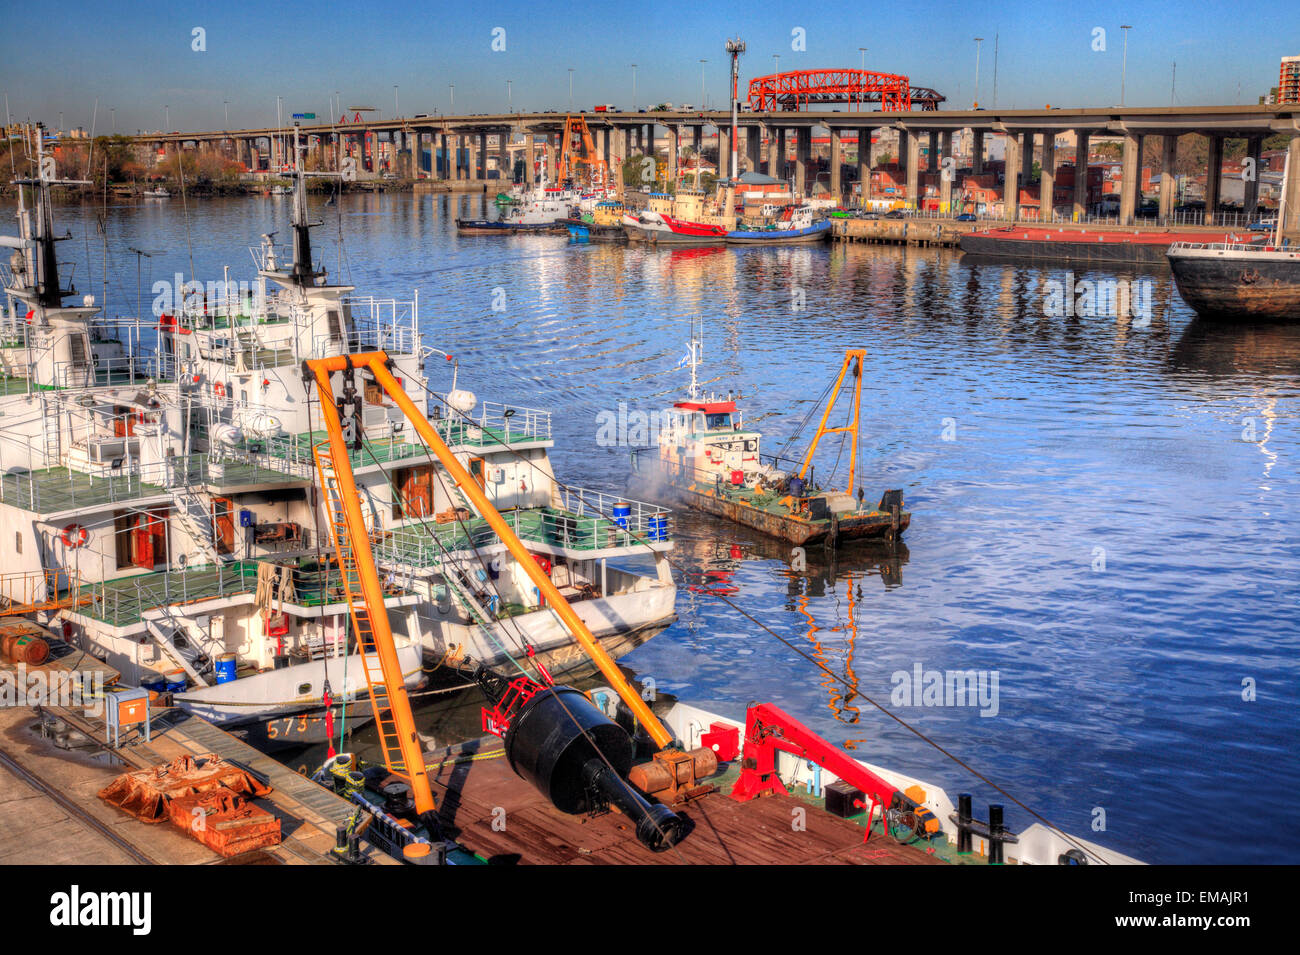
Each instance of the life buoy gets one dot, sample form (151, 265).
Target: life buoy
(74, 535)
(219, 390)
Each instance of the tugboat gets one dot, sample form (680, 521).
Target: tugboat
(715, 465)
(683, 219)
(543, 210)
(793, 224)
(1233, 280)
(603, 224)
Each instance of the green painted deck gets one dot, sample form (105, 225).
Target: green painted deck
(411, 544)
(59, 489)
(52, 490)
(123, 601)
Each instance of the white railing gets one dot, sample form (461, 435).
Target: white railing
(1233, 247)
(494, 423)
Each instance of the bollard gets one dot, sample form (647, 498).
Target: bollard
(964, 840)
(996, 834)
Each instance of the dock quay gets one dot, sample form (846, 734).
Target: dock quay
(917, 232)
(51, 813)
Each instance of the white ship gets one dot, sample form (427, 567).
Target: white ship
(159, 503)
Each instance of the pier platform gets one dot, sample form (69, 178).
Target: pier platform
(51, 813)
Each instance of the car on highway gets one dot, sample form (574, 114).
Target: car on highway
(895, 214)
(966, 217)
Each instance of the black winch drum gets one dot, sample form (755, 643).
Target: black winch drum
(548, 746)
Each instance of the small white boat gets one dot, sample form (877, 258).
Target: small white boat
(158, 193)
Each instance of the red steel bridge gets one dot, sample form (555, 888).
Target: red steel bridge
(859, 88)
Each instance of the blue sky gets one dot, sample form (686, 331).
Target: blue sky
(138, 58)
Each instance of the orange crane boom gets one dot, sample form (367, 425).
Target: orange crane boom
(578, 149)
(369, 614)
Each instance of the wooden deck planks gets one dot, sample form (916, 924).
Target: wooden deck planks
(724, 832)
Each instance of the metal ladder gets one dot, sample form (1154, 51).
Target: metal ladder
(361, 623)
(51, 426)
(191, 512)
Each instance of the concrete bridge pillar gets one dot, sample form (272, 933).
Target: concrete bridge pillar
(776, 153)
(1213, 177)
(1291, 224)
(932, 152)
(674, 145)
(837, 160)
(1080, 175)
(864, 164)
(1047, 183)
(754, 147)
(946, 172)
(909, 144)
(724, 152)
(802, 156)
(1250, 201)
(552, 159)
(1026, 157)
(618, 154)
(1011, 177)
(977, 152)
(1130, 178)
(505, 169)
(530, 157)
(1168, 179)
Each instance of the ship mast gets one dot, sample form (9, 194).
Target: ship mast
(303, 272)
(694, 352)
(36, 231)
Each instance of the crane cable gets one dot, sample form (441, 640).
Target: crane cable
(801, 653)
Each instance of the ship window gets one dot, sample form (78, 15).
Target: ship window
(718, 422)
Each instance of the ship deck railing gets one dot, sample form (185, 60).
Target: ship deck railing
(123, 601)
(54, 490)
(128, 370)
(580, 525)
(1232, 247)
(492, 423)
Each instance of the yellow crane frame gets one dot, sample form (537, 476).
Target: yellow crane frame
(853, 354)
(370, 616)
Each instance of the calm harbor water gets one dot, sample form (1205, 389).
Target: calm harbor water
(1105, 511)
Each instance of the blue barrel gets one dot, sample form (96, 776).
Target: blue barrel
(158, 684)
(796, 487)
(658, 527)
(226, 668)
(622, 514)
(176, 682)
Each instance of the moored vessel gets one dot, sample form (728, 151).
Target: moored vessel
(715, 464)
(161, 470)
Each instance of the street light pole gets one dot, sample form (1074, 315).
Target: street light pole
(452, 111)
(510, 100)
(1123, 73)
(396, 110)
(703, 96)
(978, 41)
(863, 51)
